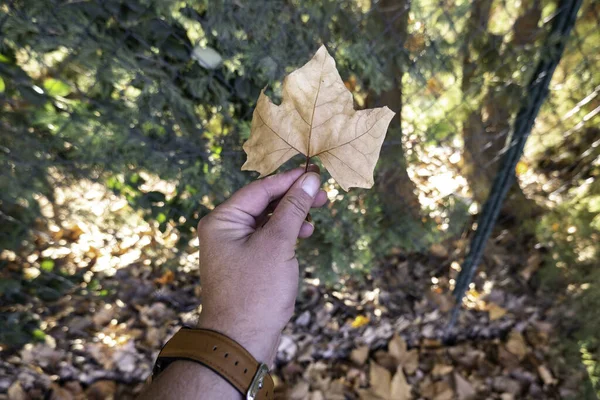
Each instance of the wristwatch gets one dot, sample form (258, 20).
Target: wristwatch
(221, 354)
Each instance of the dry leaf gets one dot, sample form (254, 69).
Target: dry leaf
(397, 347)
(546, 375)
(60, 393)
(439, 250)
(506, 358)
(495, 311)
(16, 392)
(443, 300)
(359, 321)
(464, 389)
(101, 390)
(368, 394)
(336, 390)
(400, 389)
(317, 118)
(408, 360)
(386, 360)
(300, 391)
(521, 168)
(318, 395)
(383, 387)
(516, 345)
(360, 355)
(411, 362)
(166, 278)
(103, 316)
(380, 379)
(441, 369)
(440, 390)
(534, 263)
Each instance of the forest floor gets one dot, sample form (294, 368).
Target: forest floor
(105, 300)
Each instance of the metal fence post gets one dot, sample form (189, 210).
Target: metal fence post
(537, 91)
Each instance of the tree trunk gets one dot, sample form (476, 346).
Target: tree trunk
(485, 131)
(395, 189)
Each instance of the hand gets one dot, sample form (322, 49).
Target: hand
(248, 266)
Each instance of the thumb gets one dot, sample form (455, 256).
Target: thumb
(294, 207)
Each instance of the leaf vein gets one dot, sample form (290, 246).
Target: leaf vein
(347, 165)
(349, 141)
(276, 134)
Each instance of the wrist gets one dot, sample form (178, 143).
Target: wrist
(260, 342)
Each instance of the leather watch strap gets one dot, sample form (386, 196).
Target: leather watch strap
(221, 354)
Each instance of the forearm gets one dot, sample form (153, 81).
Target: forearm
(190, 380)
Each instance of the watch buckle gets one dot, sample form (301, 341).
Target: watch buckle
(257, 382)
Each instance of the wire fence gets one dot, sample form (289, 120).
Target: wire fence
(112, 90)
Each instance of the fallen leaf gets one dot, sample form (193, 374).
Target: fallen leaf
(126, 358)
(534, 262)
(43, 355)
(411, 362)
(60, 393)
(166, 278)
(464, 389)
(303, 319)
(430, 343)
(440, 390)
(441, 369)
(359, 355)
(546, 375)
(156, 314)
(444, 300)
(397, 347)
(380, 379)
(155, 336)
(75, 388)
(101, 390)
(445, 392)
(359, 321)
(506, 358)
(317, 118)
(103, 316)
(299, 391)
(368, 394)
(318, 395)
(16, 392)
(505, 384)
(317, 376)
(438, 250)
(521, 168)
(287, 349)
(386, 360)
(408, 360)
(400, 389)
(516, 345)
(336, 390)
(495, 311)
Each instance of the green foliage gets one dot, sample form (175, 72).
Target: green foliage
(572, 234)
(108, 90)
(113, 91)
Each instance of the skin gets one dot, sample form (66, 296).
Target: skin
(249, 273)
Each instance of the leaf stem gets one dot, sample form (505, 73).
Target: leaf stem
(307, 162)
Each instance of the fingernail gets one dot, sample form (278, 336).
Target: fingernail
(311, 184)
(313, 168)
